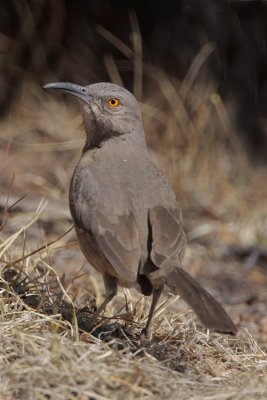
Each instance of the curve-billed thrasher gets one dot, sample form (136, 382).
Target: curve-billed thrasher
(126, 216)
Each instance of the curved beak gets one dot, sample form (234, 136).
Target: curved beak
(70, 88)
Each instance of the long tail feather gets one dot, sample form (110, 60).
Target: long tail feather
(209, 311)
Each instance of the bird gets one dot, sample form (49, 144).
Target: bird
(126, 216)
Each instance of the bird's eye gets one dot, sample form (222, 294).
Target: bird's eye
(112, 103)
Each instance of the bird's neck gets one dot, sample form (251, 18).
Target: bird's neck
(96, 136)
(96, 139)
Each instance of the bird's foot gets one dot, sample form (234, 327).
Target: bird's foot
(145, 336)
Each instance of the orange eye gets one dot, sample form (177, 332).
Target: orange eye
(113, 102)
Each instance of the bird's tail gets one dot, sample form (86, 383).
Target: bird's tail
(209, 311)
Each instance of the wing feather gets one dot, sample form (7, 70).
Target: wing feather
(167, 234)
(119, 243)
(115, 233)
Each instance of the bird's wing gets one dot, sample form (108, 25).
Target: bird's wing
(114, 230)
(119, 242)
(168, 238)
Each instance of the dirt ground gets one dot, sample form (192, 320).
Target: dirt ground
(46, 352)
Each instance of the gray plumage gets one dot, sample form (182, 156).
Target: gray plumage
(126, 216)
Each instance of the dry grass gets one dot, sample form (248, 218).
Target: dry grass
(43, 354)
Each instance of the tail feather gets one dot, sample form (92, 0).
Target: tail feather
(209, 311)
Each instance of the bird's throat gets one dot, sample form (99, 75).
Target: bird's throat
(96, 138)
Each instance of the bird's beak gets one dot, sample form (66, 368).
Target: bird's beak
(71, 88)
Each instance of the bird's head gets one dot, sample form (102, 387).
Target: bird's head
(109, 110)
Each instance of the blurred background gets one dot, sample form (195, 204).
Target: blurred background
(79, 41)
(199, 70)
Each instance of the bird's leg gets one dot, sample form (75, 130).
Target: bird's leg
(155, 298)
(111, 288)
